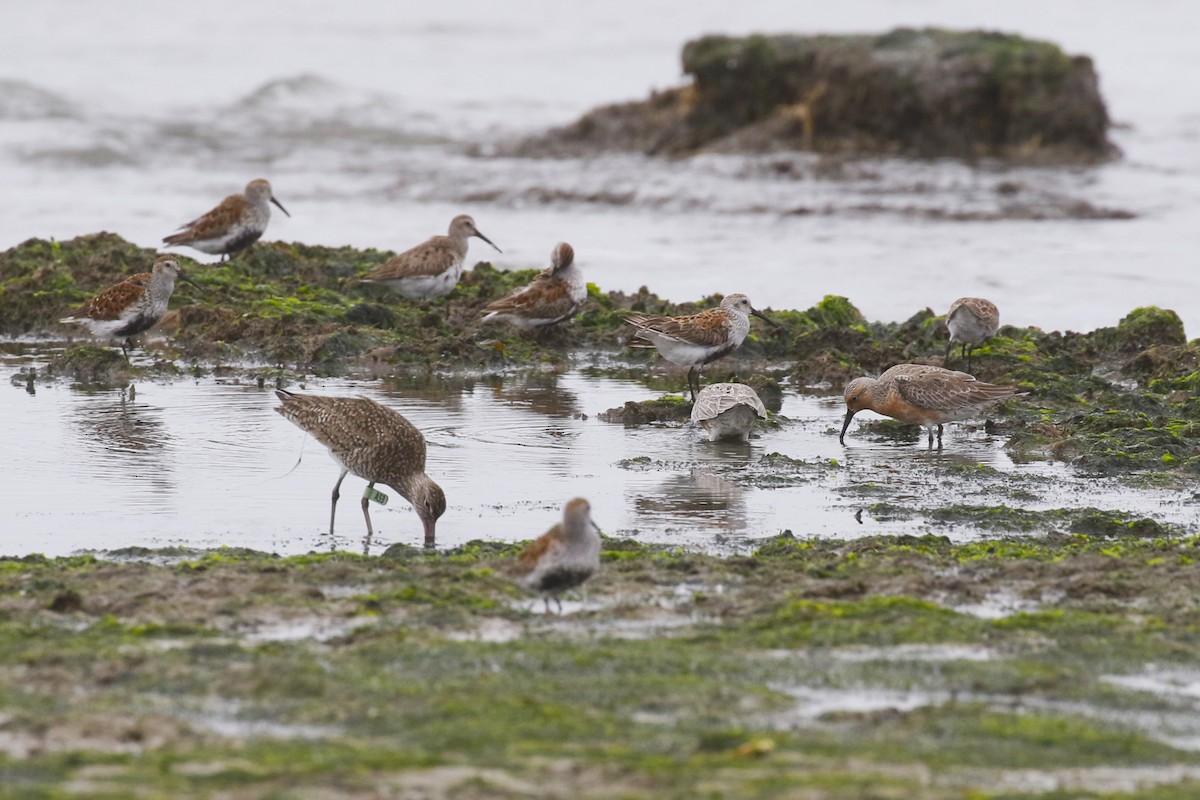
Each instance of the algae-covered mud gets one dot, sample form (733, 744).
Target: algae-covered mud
(885, 668)
(194, 454)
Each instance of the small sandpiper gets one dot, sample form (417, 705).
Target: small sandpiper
(432, 268)
(923, 395)
(698, 339)
(555, 295)
(972, 321)
(727, 411)
(376, 444)
(235, 224)
(134, 305)
(562, 558)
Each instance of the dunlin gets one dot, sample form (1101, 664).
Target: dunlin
(133, 305)
(376, 444)
(563, 557)
(555, 295)
(727, 410)
(923, 395)
(972, 321)
(695, 340)
(235, 224)
(432, 268)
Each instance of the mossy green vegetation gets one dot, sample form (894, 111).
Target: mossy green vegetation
(839, 669)
(1118, 400)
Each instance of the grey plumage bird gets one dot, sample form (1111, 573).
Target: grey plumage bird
(727, 410)
(971, 321)
(376, 444)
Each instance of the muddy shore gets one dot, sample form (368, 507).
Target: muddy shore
(887, 668)
(1116, 399)
(1053, 657)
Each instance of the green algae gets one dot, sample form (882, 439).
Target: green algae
(707, 704)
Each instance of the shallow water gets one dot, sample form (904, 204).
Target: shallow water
(207, 462)
(366, 119)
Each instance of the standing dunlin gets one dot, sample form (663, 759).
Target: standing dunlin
(923, 395)
(376, 444)
(563, 557)
(234, 225)
(971, 320)
(727, 411)
(698, 339)
(133, 305)
(555, 295)
(432, 268)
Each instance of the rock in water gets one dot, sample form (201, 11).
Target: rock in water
(926, 93)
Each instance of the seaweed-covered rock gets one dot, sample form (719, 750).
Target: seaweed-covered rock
(928, 93)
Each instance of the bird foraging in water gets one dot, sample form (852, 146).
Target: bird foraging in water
(562, 558)
(432, 268)
(727, 411)
(376, 444)
(555, 295)
(235, 224)
(923, 395)
(971, 321)
(134, 305)
(698, 339)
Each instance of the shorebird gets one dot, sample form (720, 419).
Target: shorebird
(235, 224)
(695, 340)
(555, 295)
(432, 268)
(923, 395)
(563, 557)
(971, 320)
(727, 411)
(133, 305)
(376, 444)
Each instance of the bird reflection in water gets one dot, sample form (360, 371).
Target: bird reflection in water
(699, 498)
(539, 393)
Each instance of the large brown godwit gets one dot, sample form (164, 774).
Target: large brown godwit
(133, 305)
(432, 268)
(698, 339)
(563, 557)
(971, 320)
(235, 224)
(923, 395)
(376, 444)
(555, 295)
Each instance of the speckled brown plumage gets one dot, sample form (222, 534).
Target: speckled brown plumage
(432, 268)
(555, 295)
(923, 395)
(237, 222)
(376, 444)
(564, 557)
(134, 305)
(697, 339)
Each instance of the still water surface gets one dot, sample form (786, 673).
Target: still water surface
(208, 462)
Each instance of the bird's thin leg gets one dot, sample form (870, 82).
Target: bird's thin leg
(367, 517)
(694, 382)
(558, 600)
(125, 345)
(939, 437)
(546, 600)
(967, 351)
(929, 430)
(333, 504)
